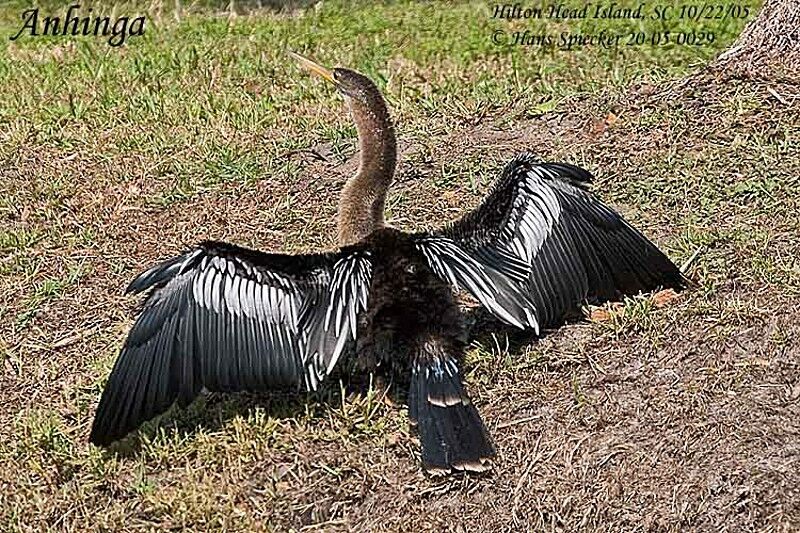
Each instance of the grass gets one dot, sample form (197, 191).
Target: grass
(674, 418)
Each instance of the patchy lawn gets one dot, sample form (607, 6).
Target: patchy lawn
(684, 417)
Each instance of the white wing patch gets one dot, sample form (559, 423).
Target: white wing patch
(349, 289)
(459, 269)
(536, 210)
(227, 285)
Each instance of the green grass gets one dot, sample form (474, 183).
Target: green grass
(113, 158)
(246, 90)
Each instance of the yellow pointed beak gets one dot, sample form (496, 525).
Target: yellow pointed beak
(314, 68)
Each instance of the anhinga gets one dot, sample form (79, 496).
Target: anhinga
(226, 318)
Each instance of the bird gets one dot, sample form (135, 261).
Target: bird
(223, 318)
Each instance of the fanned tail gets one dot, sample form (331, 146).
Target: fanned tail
(451, 432)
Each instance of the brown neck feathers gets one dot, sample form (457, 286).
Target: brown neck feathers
(364, 195)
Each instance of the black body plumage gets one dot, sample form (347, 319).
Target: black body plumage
(413, 326)
(231, 319)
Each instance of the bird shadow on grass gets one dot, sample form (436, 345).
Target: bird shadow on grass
(484, 329)
(207, 413)
(211, 411)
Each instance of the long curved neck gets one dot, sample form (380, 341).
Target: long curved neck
(364, 195)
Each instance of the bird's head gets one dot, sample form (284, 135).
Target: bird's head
(358, 90)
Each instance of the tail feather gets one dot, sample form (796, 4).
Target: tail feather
(452, 434)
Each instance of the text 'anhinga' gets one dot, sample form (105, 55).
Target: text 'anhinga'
(226, 318)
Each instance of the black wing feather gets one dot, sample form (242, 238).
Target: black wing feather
(544, 245)
(231, 319)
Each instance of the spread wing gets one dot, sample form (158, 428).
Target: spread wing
(231, 319)
(541, 244)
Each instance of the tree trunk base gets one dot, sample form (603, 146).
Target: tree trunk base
(769, 46)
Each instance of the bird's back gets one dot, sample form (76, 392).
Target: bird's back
(408, 304)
